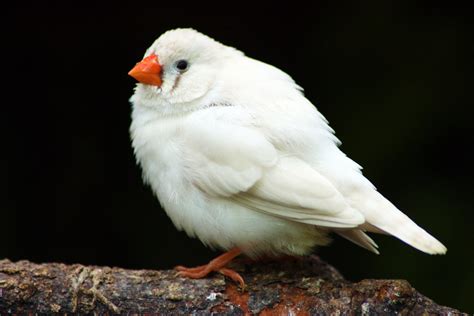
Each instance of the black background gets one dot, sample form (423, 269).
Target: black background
(394, 81)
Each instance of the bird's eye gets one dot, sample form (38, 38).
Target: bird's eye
(182, 65)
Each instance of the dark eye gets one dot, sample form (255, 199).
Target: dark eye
(182, 65)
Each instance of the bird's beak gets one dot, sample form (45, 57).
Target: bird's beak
(148, 71)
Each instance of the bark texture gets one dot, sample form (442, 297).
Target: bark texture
(292, 287)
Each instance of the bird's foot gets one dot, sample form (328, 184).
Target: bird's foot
(216, 265)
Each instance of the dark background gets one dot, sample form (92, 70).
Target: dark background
(394, 81)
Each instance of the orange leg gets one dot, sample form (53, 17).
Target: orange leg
(216, 265)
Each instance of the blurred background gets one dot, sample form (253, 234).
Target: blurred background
(395, 82)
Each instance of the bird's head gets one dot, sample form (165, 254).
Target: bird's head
(180, 68)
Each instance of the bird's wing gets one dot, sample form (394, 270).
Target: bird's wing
(239, 163)
(293, 190)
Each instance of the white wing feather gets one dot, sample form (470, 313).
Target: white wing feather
(293, 190)
(230, 160)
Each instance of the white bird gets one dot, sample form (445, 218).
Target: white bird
(240, 159)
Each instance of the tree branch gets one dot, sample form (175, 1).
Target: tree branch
(290, 287)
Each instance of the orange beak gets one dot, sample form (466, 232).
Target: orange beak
(148, 71)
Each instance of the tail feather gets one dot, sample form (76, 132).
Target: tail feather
(359, 238)
(383, 216)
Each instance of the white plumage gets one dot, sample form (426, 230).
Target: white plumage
(238, 157)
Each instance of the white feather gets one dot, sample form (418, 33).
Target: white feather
(360, 238)
(382, 214)
(246, 168)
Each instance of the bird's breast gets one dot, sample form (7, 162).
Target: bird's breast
(158, 150)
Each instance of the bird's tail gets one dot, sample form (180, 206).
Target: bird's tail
(383, 217)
